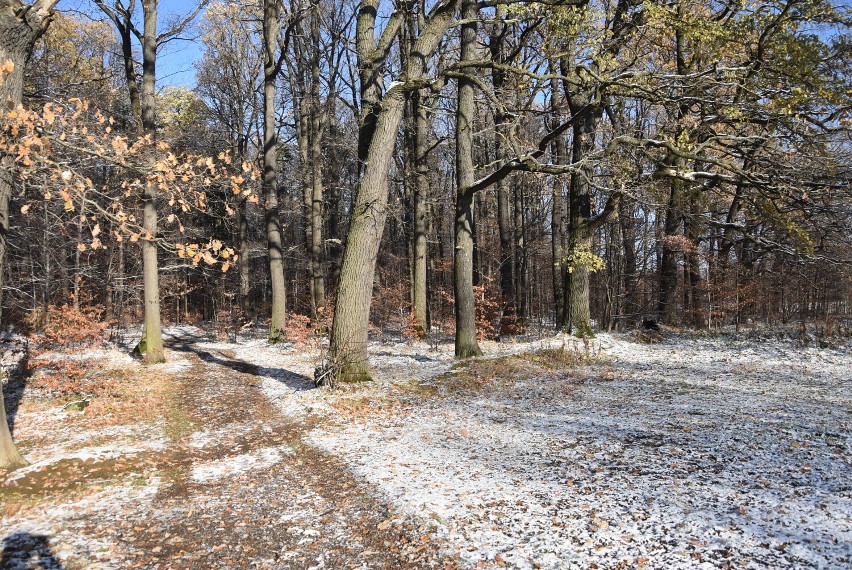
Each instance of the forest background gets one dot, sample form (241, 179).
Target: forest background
(451, 168)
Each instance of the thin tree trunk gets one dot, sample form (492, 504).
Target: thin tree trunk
(520, 252)
(629, 275)
(271, 68)
(152, 336)
(692, 231)
(245, 261)
(421, 212)
(558, 220)
(465, 301)
(508, 292)
(78, 277)
(667, 300)
(317, 250)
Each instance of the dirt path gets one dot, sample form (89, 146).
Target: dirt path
(238, 489)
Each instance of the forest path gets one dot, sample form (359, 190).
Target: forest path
(237, 489)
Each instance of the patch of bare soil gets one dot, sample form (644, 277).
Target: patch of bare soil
(234, 488)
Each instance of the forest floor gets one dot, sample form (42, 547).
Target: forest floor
(628, 451)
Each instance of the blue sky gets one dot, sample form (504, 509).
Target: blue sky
(175, 59)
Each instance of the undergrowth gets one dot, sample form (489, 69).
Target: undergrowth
(59, 331)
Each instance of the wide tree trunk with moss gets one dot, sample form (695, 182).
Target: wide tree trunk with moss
(20, 26)
(465, 300)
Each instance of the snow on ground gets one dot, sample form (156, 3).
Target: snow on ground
(691, 453)
(237, 464)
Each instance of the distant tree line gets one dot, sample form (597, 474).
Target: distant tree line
(461, 167)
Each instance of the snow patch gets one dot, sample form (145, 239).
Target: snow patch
(238, 464)
(693, 454)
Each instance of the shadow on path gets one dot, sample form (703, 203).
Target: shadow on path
(187, 343)
(24, 550)
(14, 374)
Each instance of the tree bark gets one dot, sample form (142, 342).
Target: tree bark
(271, 68)
(152, 336)
(352, 315)
(20, 26)
(508, 292)
(245, 252)
(421, 213)
(317, 250)
(577, 315)
(122, 17)
(667, 300)
(559, 230)
(348, 347)
(417, 179)
(465, 300)
(629, 276)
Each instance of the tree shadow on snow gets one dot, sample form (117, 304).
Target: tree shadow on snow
(25, 550)
(292, 380)
(16, 382)
(13, 393)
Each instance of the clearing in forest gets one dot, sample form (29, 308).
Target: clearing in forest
(681, 452)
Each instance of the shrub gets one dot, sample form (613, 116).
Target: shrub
(59, 330)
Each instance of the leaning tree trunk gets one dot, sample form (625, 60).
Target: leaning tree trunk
(20, 27)
(348, 347)
(357, 272)
(270, 174)
(465, 301)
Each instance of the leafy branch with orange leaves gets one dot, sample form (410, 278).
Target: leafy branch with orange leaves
(67, 152)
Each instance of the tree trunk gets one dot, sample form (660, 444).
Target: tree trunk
(245, 261)
(317, 249)
(558, 222)
(348, 348)
(667, 300)
(577, 314)
(152, 336)
(629, 276)
(465, 301)
(19, 29)
(421, 212)
(357, 272)
(508, 293)
(370, 77)
(692, 276)
(275, 249)
(520, 253)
